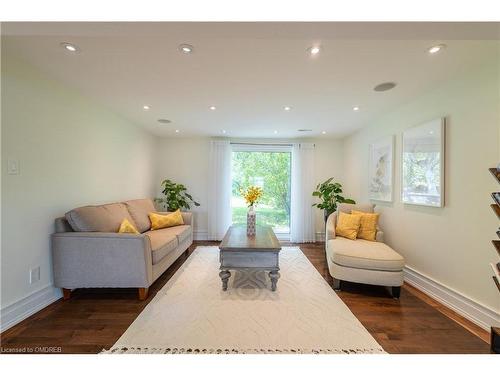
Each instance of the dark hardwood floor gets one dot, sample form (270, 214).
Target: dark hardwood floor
(94, 319)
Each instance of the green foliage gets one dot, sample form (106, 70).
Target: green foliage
(269, 170)
(421, 171)
(175, 196)
(329, 193)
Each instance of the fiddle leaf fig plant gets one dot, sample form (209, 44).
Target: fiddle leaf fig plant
(175, 196)
(329, 192)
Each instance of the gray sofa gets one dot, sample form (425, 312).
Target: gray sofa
(88, 252)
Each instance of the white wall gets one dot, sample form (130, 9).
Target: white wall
(71, 152)
(452, 244)
(185, 160)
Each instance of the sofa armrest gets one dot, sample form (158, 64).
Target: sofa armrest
(330, 227)
(187, 217)
(96, 259)
(379, 237)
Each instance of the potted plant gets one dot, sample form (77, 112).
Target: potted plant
(175, 197)
(329, 192)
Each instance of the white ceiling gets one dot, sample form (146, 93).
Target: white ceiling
(250, 71)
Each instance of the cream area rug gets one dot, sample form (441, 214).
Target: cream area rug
(191, 313)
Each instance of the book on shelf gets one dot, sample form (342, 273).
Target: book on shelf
(496, 197)
(496, 270)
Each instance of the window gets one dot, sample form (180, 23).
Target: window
(270, 168)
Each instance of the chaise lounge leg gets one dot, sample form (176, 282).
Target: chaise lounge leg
(66, 293)
(337, 284)
(143, 293)
(396, 292)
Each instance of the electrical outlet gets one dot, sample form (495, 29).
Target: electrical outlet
(12, 166)
(34, 275)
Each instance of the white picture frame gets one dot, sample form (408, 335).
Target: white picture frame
(423, 164)
(381, 170)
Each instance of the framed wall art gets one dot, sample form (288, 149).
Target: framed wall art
(423, 165)
(381, 170)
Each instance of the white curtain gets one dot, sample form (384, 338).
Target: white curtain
(302, 215)
(219, 189)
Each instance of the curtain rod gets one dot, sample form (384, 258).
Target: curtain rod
(261, 144)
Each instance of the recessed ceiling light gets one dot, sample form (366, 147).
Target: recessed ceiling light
(223, 132)
(385, 86)
(146, 107)
(164, 121)
(436, 49)
(177, 130)
(323, 132)
(287, 108)
(275, 132)
(186, 48)
(355, 108)
(213, 108)
(70, 47)
(314, 50)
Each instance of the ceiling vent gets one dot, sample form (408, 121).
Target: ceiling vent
(164, 121)
(305, 130)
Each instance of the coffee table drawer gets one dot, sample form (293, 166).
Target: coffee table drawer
(248, 259)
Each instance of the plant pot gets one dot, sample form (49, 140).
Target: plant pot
(251, 221)
(326, 214)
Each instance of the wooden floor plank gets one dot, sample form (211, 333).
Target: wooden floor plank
(94, 319)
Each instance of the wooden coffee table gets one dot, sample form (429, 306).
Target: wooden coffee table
(241, 252)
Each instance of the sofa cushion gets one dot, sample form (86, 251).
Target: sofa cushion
(348, 207)
(139, 210)
(348, 225)
(163, 242)
(160, 221)
(364, 254)
(103, 218)
(182, 232)
(127, 227)
(368, 225)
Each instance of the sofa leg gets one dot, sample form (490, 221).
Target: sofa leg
(143, 293)
(66, 293)
(396, 292)
(337, 284)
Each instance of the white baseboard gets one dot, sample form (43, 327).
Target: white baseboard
(479, 314)
(200, 235)
(27, 306)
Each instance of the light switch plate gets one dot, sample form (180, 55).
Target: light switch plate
(12, 166)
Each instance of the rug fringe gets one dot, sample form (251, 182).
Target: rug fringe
(147, 350)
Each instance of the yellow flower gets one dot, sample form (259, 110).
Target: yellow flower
(252, 194)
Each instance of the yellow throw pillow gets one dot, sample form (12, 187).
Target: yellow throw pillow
(159, 221)
(368, 225)
(348, 225)
(127, 227)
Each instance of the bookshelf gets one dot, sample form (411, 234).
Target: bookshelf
(495, 331)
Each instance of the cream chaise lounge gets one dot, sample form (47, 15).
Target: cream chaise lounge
(88, 253)
(362, 261)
